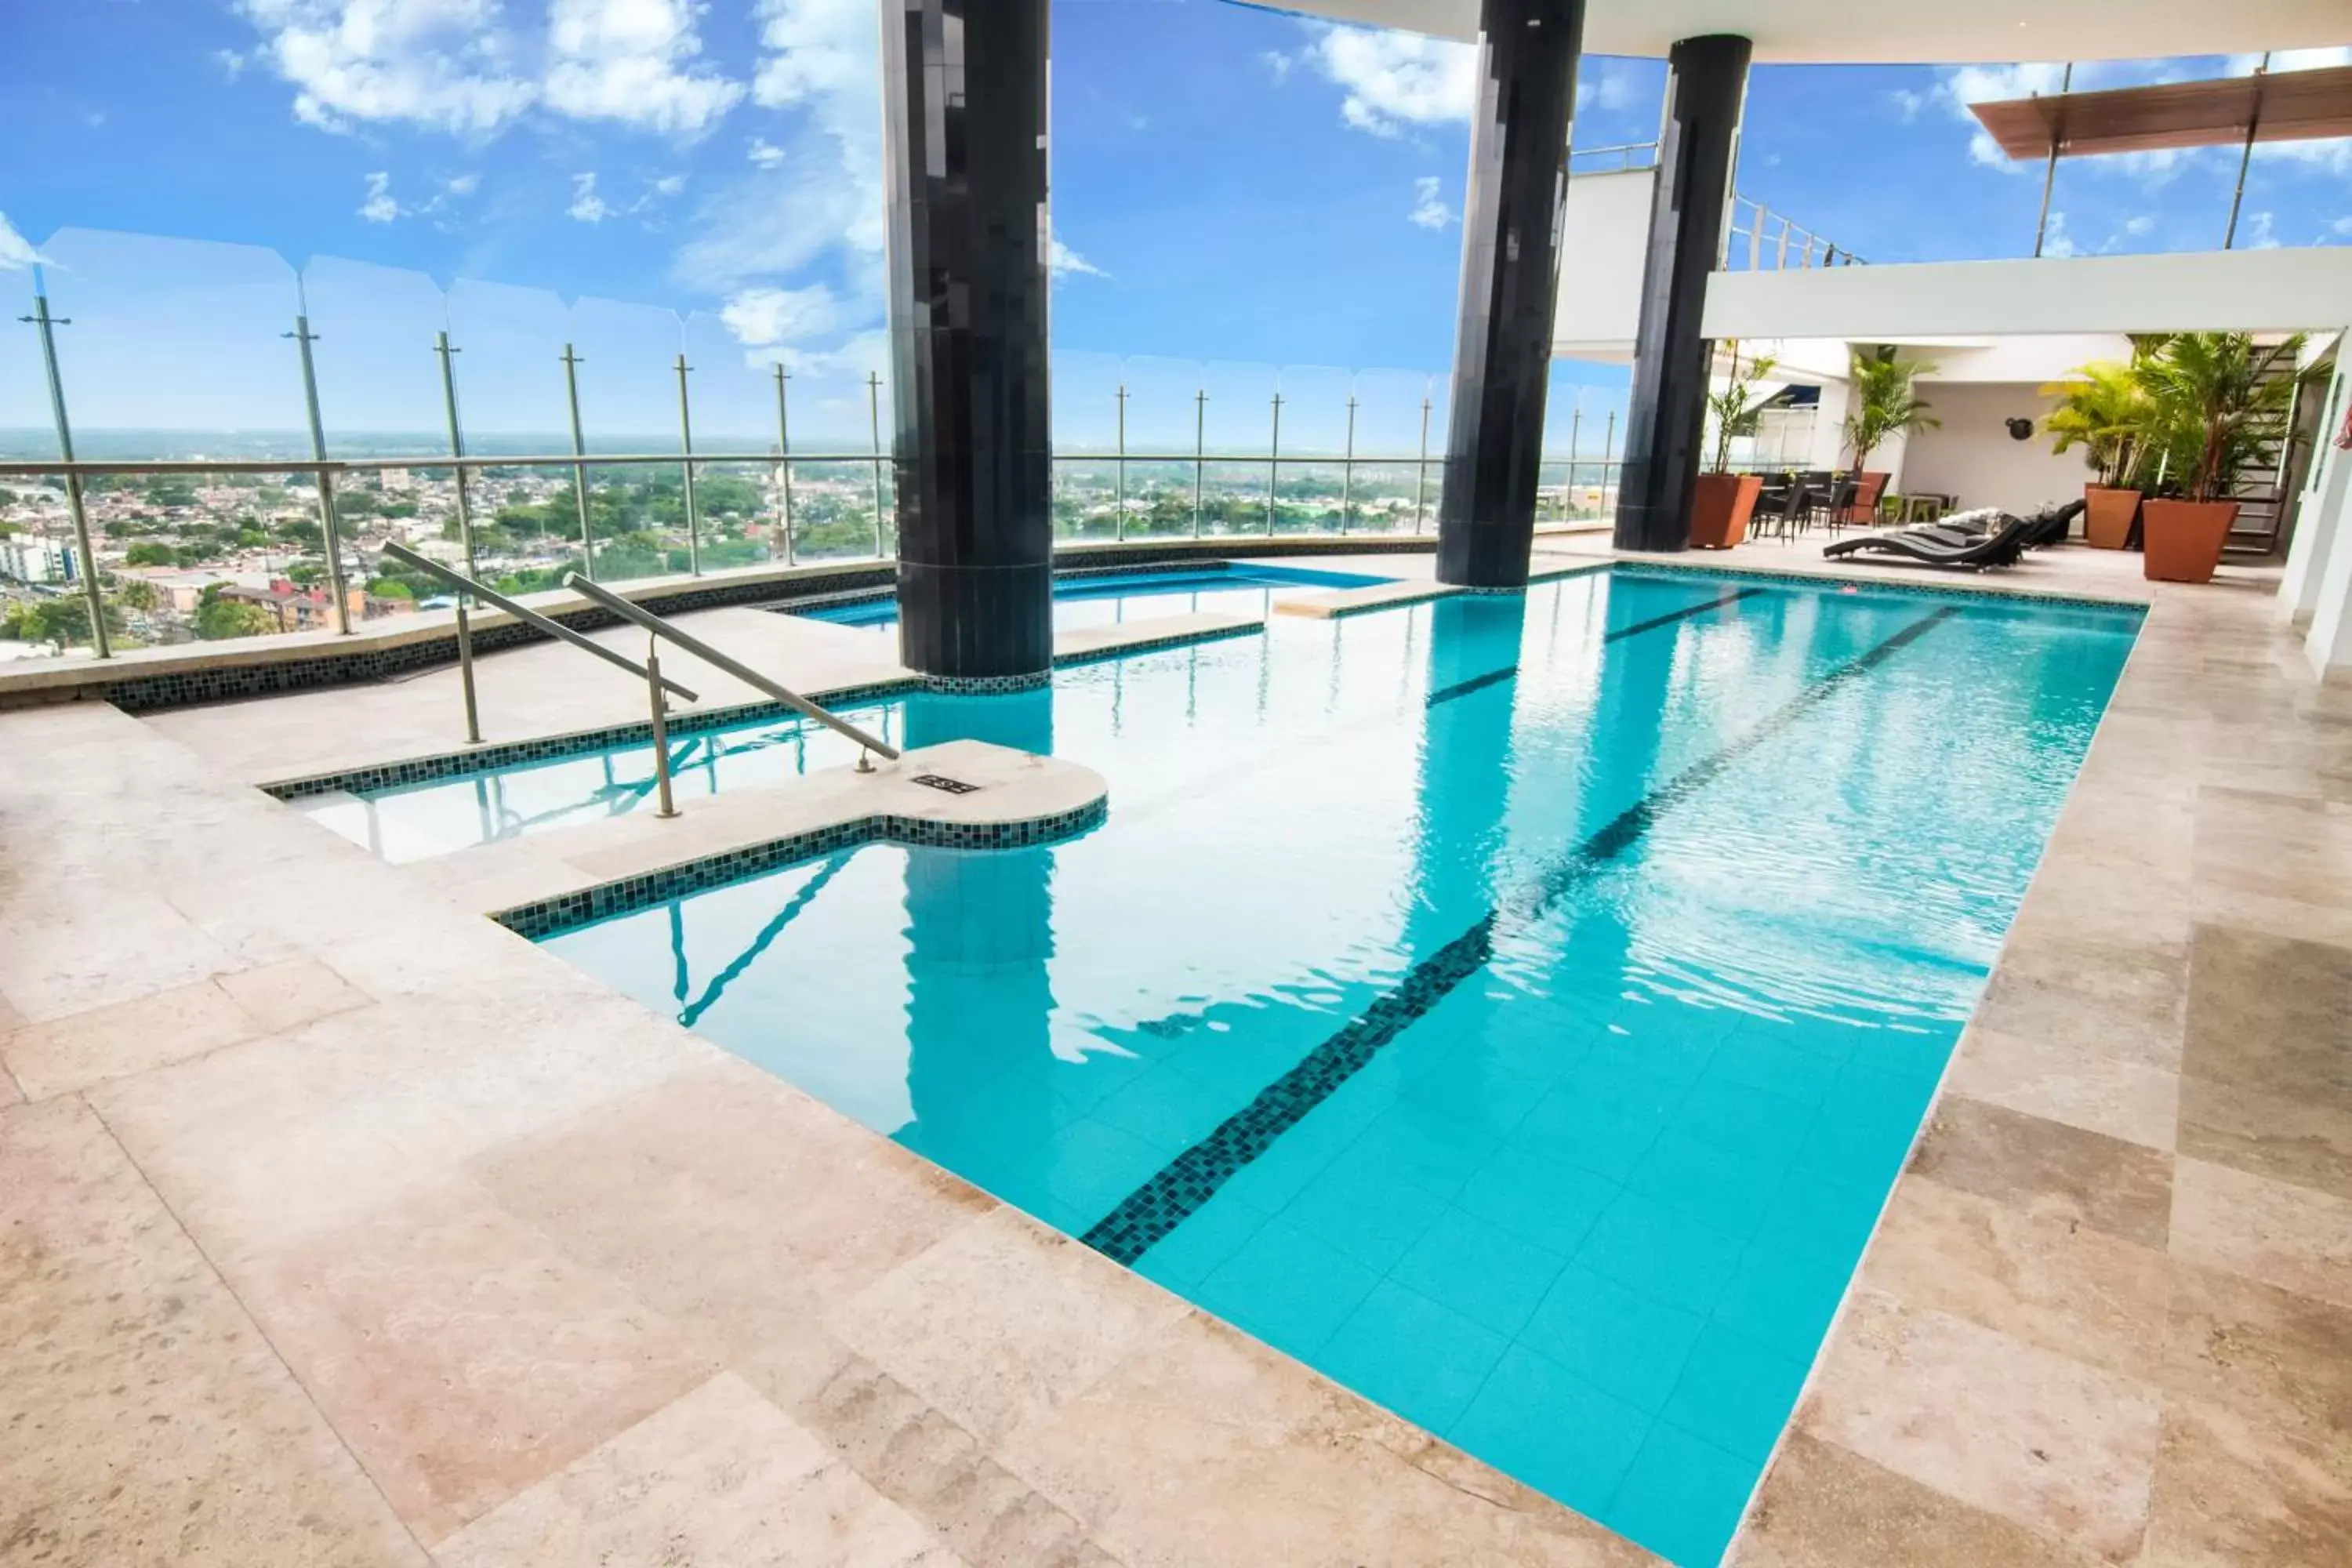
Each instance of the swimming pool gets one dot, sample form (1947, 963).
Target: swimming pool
(1111, 599)
(1516, 1008)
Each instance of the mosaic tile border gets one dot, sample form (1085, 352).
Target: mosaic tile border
(988, 685)
(554, 748)
(544, 918)
(1156, 645)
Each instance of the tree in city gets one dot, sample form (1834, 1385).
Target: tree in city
(217, 617)
(1884, 403)
(148, 553)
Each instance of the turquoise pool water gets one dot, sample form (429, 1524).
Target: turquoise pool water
(1224, 587)
(1516, 1008)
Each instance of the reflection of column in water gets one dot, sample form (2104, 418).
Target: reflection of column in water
(1462, 799)
(1024, 720)
(980, 1002)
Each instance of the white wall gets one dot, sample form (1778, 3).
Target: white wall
(1974, 458)
(2284, 289)
(1604, 235)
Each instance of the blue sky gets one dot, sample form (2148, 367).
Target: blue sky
(1230, 182)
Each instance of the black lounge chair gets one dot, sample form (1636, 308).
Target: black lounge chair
(2049, 526)
(2001, 547)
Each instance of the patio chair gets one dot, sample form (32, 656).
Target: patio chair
(1862, 506)
(2001, 547)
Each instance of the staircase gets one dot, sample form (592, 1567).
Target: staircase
(2266, 488)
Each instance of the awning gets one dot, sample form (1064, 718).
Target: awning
(2282, 106)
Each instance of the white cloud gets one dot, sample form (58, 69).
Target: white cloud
(1428, 211)
(463, 185)
(231, 63)
(2341, 226)
(1395, 80)
(587, 207)
(2292, 60)
(2260, 234)
(380, 207)
(1602, 86)
(446, 64)
(2143, 224)
(1965, 85)
(667, 185)
(2055, 240)
(1277, 65)
(634, 61)
(822, 187)
(16, 253)
(766, 318)
(1907, 103)
(463, 67)
(764, 154)
(1061, 261)
(2332, 156)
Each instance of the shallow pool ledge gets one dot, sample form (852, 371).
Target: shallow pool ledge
(544, 882)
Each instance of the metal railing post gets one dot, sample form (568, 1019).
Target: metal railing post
(685, 447)
(784, 462)
(664, 806)
(1274, 465)
(331, 533)
(1608, 444)
(1199, 429)
(1575, 439)
(84, 561)
(1780, 256)
(874, 419)
(442, 347)
(1421, 471)
(466, 674)
(2246, 156)
(2049, 167)
(572, 363)
(1754, 237)
(1348, 470)
(1118, 483)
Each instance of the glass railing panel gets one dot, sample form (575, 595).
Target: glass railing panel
(379, 378)
(1238, 414)
(732, 384)
(507, 370)
(1394, 409)
(833, 508)
(1309, 497)
(740, 508)
(1165, 412)
(1234, 498)
(175, 348)
(1393, 498)
(629, 403)
(1315, 410)
(1085, 498)
(1086, 402)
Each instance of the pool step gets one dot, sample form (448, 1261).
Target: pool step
(926, 1463)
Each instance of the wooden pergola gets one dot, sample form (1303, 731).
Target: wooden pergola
(2284, 106)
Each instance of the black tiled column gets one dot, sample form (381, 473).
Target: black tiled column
(964, 120)
(1666, 413)
(1502, 340)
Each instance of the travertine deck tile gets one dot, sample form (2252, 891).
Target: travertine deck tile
(124, 1038)
(2049, 1281)
(2049, 1169)
(462, 1357)
(2270, 1014)
(720, 1478)
(2290, 1236)
(288, 995)
(1206, 1449)
(2040, 1439)
(2232, 1493)
(2279, 1359)
(1002, 1319)
(1823, 1506)
(143, 1418)
(2069, 1081)
(2304, 1140)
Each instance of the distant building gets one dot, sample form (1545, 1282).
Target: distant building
(29, 558)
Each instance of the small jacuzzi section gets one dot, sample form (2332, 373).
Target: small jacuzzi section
(1088, 599)
(1518, 1007)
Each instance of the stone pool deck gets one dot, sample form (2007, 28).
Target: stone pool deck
(340, 1226)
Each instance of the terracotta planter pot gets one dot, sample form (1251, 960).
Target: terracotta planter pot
(2184, 539)
(2108, 516)
(1720, 508)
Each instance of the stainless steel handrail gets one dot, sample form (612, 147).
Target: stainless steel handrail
(527, 616)
(736, 667)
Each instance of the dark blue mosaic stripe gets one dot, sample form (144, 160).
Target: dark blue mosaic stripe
(1975, 590)
(1177, 1190)
(548, 917)
(1496, 677)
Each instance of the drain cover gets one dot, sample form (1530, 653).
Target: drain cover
(951, 786)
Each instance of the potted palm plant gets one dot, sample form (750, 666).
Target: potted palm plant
(1882, 405)
(2104, 408)
(1723, 501)
(2219, 406)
